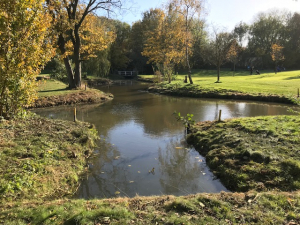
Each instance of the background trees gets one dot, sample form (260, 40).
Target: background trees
(23, 52)
(164, 44)
(268, 28)
(73, 19)
(277, 55)
(216, 50)
(122, 45)
(292, 45)
(189, 9)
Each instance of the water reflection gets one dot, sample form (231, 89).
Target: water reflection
(139, 133)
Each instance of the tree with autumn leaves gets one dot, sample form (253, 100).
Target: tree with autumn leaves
(79, 34)
(188, 9)
(169, 42)
(276, 54)
(164, 43)
(24, 48)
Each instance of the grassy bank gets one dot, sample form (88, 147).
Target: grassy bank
(54, 93)
(224, 208)
(283, 86)
(260, 153)
(42, 158)
(257, 154)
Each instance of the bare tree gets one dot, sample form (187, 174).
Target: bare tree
(217, 48)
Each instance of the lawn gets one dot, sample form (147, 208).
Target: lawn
(53, 87)
(283, 83)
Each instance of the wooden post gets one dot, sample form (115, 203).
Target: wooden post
(75, 114)
(220, 114)
(85, 87)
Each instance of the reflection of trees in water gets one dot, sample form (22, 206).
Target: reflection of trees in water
(178, 172)
(106, 177)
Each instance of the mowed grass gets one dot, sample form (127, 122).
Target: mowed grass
(283, 83)
(53, 87)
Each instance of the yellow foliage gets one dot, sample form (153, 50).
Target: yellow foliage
(276, 53)
(95, 36)
(165, 43)
(23, 31)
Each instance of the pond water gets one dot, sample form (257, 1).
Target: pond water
(142, 150)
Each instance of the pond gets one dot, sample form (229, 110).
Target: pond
(142, 149)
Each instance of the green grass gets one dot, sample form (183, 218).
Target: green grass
(283, 83)
(53, 87)
(224, 208)
(42, 158)
(260, 153)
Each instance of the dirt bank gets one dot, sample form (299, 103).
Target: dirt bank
(88, 96)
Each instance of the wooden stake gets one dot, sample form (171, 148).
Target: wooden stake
(75, 114)
(298, 92)
(220, 114)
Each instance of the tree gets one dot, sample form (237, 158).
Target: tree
(199, 35)
(216, 50)
(240, 32)
(75, 24)
(164, 44)
(24, 49)
(119, 49)
(136, 43)
(292, 46)
(276, 54)
(267, 29)
(188, 9)
(233, 53)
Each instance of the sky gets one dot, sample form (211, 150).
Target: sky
(220, 13)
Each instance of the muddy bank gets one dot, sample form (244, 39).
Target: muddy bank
(220, 94)
(88, 96)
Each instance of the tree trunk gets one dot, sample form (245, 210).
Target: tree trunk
(77, 60)
(70, 74)
(189, 67)
(218, 80)
(187, 49)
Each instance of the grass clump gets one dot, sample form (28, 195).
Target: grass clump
(260, 153)
(223, 208)
(42, 158)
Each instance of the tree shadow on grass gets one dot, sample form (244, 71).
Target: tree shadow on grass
(292, 78)
(62, 89)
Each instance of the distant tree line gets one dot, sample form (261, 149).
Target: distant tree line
(157, 44)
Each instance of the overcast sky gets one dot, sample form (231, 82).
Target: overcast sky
(221, 13)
